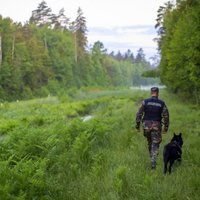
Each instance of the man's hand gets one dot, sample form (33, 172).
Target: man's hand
(165, 131)
(137, 127)
(138, 130)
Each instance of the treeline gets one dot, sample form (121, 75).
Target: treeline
(179, 44)
(49, 52)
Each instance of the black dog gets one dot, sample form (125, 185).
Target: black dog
(172, 151)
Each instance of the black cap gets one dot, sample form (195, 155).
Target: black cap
(154, 89)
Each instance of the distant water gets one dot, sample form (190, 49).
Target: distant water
(146, 87)
(86, 118)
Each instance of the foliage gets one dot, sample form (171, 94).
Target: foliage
(151, 73)
(179, 67)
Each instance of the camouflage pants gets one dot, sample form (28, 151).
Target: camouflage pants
(152, 131)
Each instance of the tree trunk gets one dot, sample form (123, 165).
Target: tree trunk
(75, 47)
(45, 41)
(13, 46)
(0, 51)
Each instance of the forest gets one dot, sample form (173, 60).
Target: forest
(49, 53)
(179, 46)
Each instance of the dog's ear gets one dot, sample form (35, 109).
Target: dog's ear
(174, 134)
(180, 134)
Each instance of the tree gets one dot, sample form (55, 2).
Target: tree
(140, 57)
(79, 29)
(119, 56)
(129, 56)
(42, 15)
(60, 21)
(97, 57)
(162, 12)
(61, 55)
(0, 49)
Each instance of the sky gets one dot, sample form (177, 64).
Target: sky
(119, 24)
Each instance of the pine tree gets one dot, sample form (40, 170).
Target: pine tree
(140, 57)
(60, 21)
(42, 15)
(80, 30)
(98, 55)
(80, 44)
(162, 12)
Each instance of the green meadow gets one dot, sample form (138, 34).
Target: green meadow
(50, 150)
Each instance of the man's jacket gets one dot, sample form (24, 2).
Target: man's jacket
(155, 110)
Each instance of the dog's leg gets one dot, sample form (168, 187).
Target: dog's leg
(170, 166)
(165, 167)
(179, 160)
(165, 159)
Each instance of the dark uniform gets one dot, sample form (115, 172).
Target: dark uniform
(151, 113)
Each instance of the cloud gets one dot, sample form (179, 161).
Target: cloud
(125, 37)
(141, 29)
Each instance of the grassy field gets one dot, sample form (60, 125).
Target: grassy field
(48, 152)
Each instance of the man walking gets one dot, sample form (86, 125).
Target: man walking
(151, 113)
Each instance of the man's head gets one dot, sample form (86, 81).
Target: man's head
(154, 91)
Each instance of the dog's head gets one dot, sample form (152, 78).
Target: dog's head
(178, 138)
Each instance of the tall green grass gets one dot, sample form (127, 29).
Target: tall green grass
(48, 152)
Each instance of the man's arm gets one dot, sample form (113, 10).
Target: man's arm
(165, 115)
(139, 116)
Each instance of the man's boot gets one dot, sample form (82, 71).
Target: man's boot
(153, 164)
